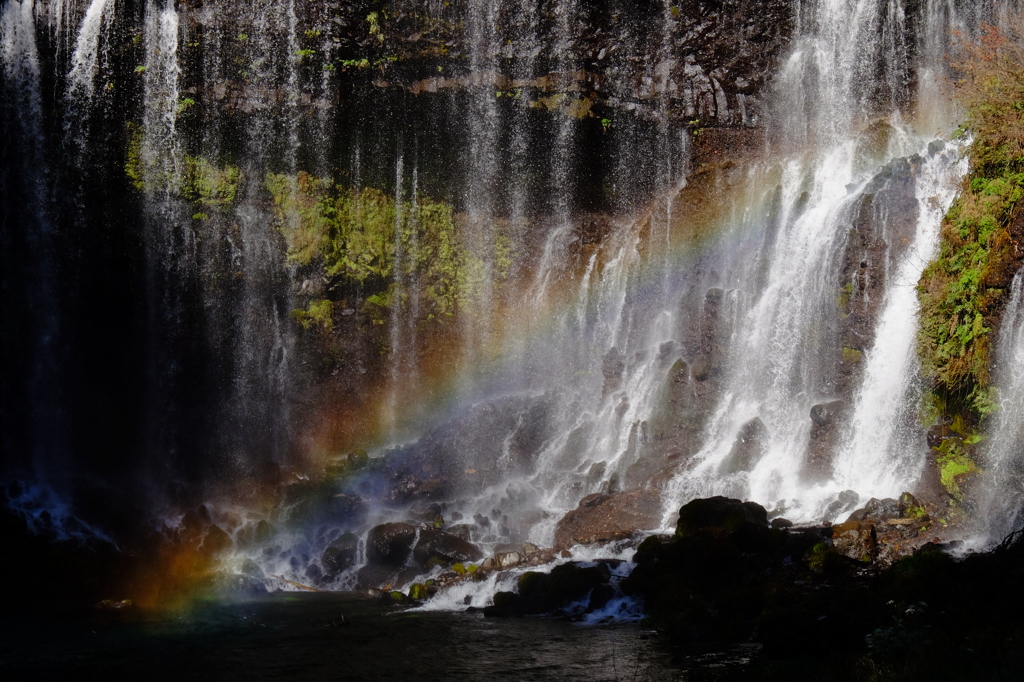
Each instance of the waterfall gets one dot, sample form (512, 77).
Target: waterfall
(1001, 498)
(85, 61)
(30, 230)
(669, 276)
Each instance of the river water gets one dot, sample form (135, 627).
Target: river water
(340, 636)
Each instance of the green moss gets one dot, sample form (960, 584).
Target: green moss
(319, 313)
(365, 238)
(133, 167)
(915, 512)
(954, 464)
(852, 355)
(212, 187)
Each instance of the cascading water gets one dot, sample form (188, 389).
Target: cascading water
(999, 503)
(85, 61)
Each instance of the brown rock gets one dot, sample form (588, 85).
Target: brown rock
(602, 518)
(855, 539)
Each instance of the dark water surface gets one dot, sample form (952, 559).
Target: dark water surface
(332, 636)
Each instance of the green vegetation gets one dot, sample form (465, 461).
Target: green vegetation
(133, 166)
(954, 465)
(364, 238)
(373, 20)
(963, 291)
(210, 186)
(319, 313)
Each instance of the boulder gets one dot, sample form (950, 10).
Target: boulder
(250, 568)
(461, 530)
(719, 513)
(427, 512)
(564, 585)
(877, 510)
(747, 450)
(602, 518)
(390, 544)
(507, 559)
(437, 547)
(341, 554)
(216, 541)
(744, 523)
(856, 540)
(841, 506)
(826, 427)
(264, 532)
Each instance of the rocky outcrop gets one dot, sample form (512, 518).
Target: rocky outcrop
(390, 544)
(340, 555)
(827, 423)
(747, 450)
(602, 518)
(435, 547)
(571, 585)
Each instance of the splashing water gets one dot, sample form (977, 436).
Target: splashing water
(1002, 494)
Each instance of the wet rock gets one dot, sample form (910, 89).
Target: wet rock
(824, 414)
(856, 540)
(827, 422)
(702, 368)
(564, 585)
(507, 559)
(264, 532)
(877, 510)
(747, 450)
(216, 541)
(844, 502)
(427, 512)
(779, 523)
(601, 518)
(341, 554)
(505, 604)
(929, 486)
(250, 568)
(461, 530)
(908, 505)
(745, 523)
(612, 368)
(939, 433)
(600, 596)
(390, 543)
(437, 547)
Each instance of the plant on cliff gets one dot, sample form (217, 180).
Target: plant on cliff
(964, 290)
(364, 238)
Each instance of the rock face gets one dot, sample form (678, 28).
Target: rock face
(601, 518)
(827, 421)
(748, 449)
